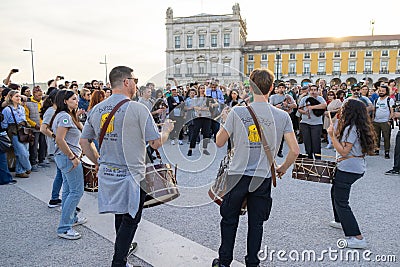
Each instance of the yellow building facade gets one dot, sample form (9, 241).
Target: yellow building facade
(337, 60)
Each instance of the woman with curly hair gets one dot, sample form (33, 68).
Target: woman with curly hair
(353, 138)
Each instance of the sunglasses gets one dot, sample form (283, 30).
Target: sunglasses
(136, 80)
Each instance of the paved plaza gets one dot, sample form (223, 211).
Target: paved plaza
(185, 232)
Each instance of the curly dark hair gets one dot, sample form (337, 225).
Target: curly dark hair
(354, 113)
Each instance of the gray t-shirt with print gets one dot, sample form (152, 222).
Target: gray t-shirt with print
(123, 152)
(312, 119)
(51, 144)
(356, 164)
(63, 119)
(249, 156)
(126, 136)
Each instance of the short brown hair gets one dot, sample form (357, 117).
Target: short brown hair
(261, 81)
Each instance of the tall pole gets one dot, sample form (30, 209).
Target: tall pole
(33, 68)
(278, 57)
(105, 63)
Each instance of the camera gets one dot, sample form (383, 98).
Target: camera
(61, 77)
(14, 70)
(170, 78)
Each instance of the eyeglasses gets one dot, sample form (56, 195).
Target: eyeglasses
(331, 95)
(136, 80)
(356, 89)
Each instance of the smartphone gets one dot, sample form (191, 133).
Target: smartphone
(170, 78)
(15, 70)
(61, 77)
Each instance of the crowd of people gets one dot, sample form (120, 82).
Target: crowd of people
(67, 122)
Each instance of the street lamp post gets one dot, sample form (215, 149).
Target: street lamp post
(33, 69)
(105, 64)
(278, 57)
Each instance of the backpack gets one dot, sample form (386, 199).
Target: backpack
(375, 107)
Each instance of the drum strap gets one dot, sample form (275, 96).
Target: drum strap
(265, 144)
(107, 122)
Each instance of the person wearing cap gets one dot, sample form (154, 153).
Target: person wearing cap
(32, 111)
(356, 94)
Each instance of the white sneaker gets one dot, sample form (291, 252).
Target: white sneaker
(180, 142)
(172, 142)
(353, 242)
(81, 220)
(329, 147)
(71, 234)
(336, 225)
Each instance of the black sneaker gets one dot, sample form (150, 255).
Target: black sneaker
(215, 263)
(376, 152)
(132, 248)
(205, 152)
(387, 156)
(280, 154)
(54, 203)
(392, 172)
(189, 153)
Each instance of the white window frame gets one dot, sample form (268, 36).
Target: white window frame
(336, 54)
(264, 57)
(386, 54)
(292, 56)
(177, 41)
(307, 55)
(214, 40)
(250, 67)
(321, 55)
(292, 67)
(321, 66)
(368, 53)
(353, 54)
(189, 41)
(336, 66)
(306, 68)
(202, 40)
(369, 65)
(352, 65)
(189, 67)
(227, 39)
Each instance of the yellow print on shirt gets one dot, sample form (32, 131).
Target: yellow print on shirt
(253, 134)
(110, 127)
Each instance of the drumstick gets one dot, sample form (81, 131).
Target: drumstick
(330, 117)
(325, 156)
(306, 169)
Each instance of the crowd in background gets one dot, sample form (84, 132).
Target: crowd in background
(196, 109)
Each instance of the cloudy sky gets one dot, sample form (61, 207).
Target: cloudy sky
(71, 37)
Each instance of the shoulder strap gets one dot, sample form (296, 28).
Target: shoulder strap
(107, 122)
(266, 147)
(12, 113)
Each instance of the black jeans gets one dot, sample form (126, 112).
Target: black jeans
(205, 125)
(396, 164)
(259, 203)
(214, 128)
(340, 193)
(40, 141)
(312, 139)
(125, 227)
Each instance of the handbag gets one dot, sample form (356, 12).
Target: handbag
(25, 134)
(5, 142)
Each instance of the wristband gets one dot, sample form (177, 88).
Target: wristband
(53, 135)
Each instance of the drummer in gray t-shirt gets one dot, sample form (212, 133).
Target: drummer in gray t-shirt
(310, 124)
(122, 156)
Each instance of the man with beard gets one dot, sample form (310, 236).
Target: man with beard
(311, 125)
(383, 115)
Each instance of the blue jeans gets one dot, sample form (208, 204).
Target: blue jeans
(5, 175)
(22, 156)
(57, 183)
(72, 191)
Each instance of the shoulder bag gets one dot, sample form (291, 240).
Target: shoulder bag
(25, 134)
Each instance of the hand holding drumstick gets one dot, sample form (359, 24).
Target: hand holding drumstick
(330, 129)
